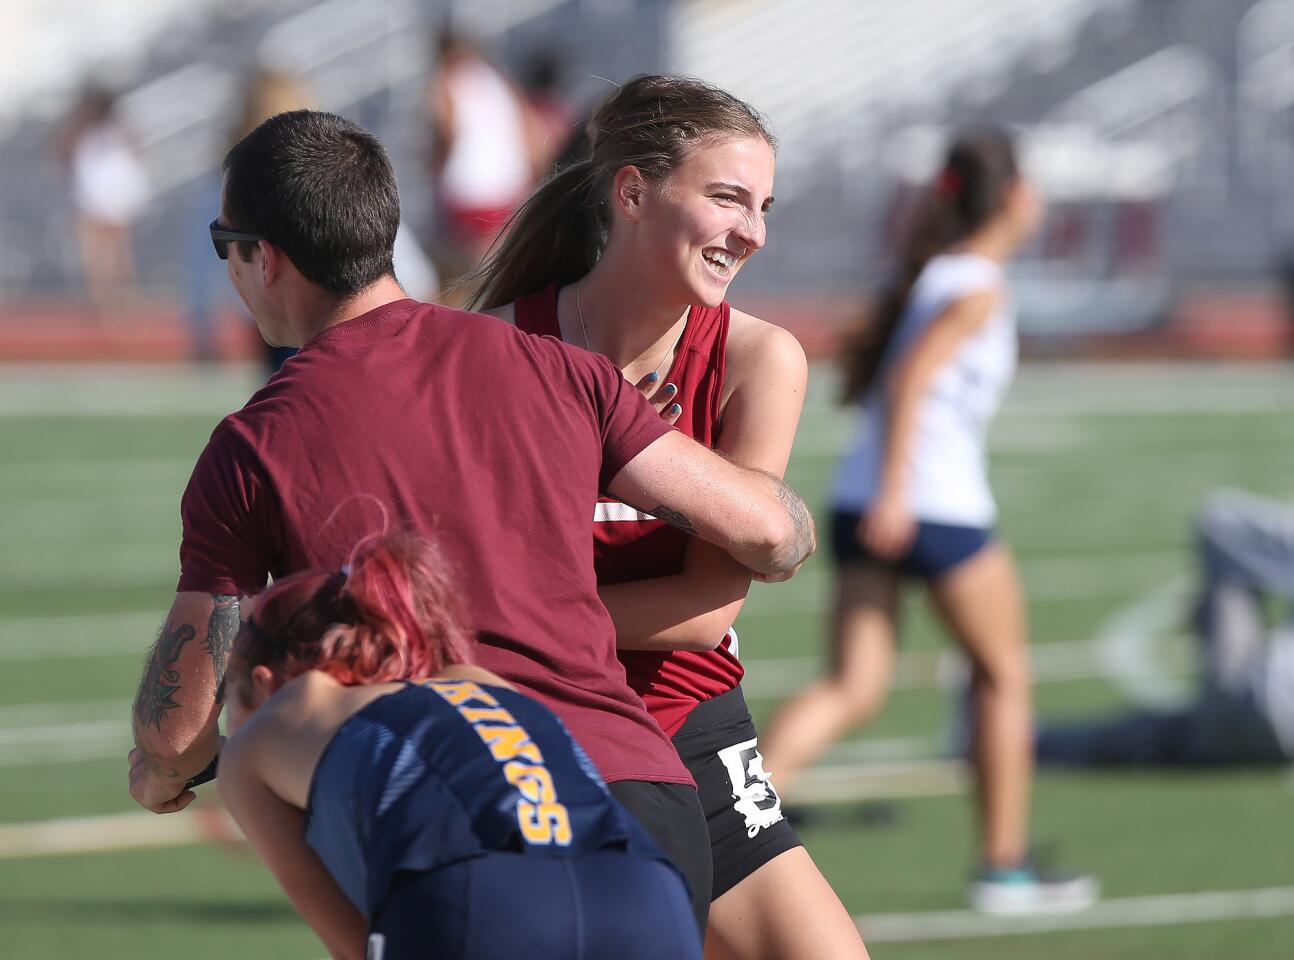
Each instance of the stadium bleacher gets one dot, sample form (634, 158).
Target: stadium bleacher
(1175, 117)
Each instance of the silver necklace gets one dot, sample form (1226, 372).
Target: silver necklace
(584, 331)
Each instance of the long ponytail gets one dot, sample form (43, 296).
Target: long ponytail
(969, 190)
(556, 236)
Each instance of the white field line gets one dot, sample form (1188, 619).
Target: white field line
(113, 469)
(135, 830)
(1129, 654)
(37, 714)
(129, 634)
(1061, 579)
(1049, 440)
(85, 635)
(1061, 661)
(102, 391)
(132, 831)
(852, 782)
(878, 750)
(55, 733)
(1040, 390)
(1037, 517)
(133, 564)
(139, 831)
(1030, 407)
(78, 731)
(124, 831)
(63, 517)
(1021, 417)
(836, 783)
(67, 743)
(133, 473)
(1166, 910)
(1045, 579)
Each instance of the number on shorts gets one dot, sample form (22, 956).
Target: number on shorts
(752, 788)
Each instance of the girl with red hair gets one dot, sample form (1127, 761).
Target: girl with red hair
(382, 776)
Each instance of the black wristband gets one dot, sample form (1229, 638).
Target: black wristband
(206, 776)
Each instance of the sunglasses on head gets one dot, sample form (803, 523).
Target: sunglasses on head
(221, 238)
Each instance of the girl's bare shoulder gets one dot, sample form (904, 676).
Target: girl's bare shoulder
(758, 349)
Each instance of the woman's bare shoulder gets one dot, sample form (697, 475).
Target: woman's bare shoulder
(757, 348)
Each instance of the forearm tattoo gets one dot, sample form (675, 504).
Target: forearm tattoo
(673, 517)
(161, 676)
(222, 627)
(155, 765)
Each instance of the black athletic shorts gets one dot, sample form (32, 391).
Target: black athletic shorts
(742, 810)
(671, 814)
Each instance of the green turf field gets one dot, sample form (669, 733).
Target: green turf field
(1097, 470)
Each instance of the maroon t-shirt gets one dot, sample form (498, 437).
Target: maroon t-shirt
(494, 442)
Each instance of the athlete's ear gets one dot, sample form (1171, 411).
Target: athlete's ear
(263, 685)
(271, 262)
(627, 191)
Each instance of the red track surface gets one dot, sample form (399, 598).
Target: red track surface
(1222, 326)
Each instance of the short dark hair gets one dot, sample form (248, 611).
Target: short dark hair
(321, 189)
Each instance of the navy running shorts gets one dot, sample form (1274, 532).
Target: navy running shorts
(742, 810)
(935, 550)
(608, 905)
(672, 816)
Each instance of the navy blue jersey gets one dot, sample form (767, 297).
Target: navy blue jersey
(446, 770)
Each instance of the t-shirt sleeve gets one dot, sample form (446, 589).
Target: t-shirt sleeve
(228, 514)
(627, 422)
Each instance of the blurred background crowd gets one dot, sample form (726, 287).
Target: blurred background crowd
(1158, 130)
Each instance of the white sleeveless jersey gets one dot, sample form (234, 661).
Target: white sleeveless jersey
(488, 163)
(948, 467)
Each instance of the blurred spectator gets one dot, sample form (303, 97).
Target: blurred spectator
(109, 190)
(480, 159)
(550, 119)
(1285, 273)
(1244, 710)
(265, 93)
(270, 92)
(1136, 236)
(911, 502)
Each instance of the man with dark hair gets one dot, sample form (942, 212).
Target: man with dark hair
(322, 190)
(402, 414)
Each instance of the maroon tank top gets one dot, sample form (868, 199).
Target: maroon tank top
(631, 545)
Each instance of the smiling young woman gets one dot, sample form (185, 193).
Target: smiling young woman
(629, 252)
